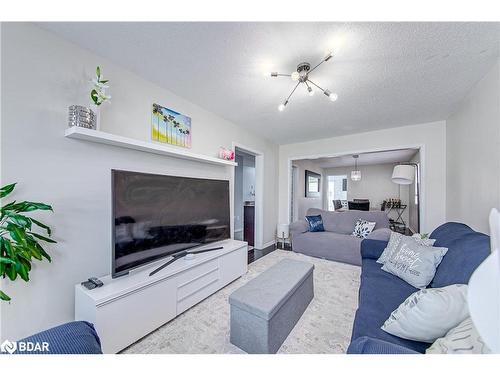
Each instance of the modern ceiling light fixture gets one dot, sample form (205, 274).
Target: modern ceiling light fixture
(356, 173)
(301, 75)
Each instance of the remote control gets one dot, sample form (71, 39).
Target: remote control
(92, 283)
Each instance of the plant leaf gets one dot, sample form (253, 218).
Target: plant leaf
(7, 207)
(31, 206)
(6, 260)
(42, 225)
(6, 190)
(16, 233)
(31, 250)
(22, 271)
(43, 252)
(7, 246)
(43, 238)
(11, 272)
(19, 220)
(98, 72)
(4, 297)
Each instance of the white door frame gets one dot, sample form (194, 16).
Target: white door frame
(259, 193)
(420, 147)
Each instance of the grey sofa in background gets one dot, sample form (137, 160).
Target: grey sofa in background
(336, 242)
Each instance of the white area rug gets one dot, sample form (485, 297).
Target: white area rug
(325, 327)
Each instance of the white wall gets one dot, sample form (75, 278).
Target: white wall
(304, 203)
(42, 75)
(430, 137)
(376, 185)
(412, 206)
(473, 154)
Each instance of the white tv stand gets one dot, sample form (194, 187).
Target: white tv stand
(127, 308)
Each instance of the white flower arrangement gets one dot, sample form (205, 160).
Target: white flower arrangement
(98, 93)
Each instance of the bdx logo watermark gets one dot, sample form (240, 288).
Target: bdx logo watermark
(24, 347)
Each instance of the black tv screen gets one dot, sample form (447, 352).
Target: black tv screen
(157, 215)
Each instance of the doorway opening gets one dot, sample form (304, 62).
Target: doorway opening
(244, 197)
(373, 187)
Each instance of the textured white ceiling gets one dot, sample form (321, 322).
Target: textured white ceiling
(386, 74)
(368, 158)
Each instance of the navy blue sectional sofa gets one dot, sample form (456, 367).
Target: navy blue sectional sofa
(381, 293)
(70, 338)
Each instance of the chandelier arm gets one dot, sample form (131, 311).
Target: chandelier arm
(307, 85)
(283, 75)
(295, 88)
(308, 80)
(321, 62)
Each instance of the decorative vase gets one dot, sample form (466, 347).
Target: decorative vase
(81, 116)
(97, 112)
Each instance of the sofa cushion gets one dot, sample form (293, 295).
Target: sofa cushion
(372, 249)
(381, 234)
(466, 250)
(381, 293)
(368, 345)
(329, 245)
(344, 222)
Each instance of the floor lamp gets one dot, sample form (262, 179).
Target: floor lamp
(404, 174)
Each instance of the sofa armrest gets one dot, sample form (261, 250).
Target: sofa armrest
(381, 234)
(298, 227)
(369, 345)
(372, 249)
(71, 338)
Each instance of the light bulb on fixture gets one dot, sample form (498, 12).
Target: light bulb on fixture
(274, 74)
(282, 106)
(333, 96)
(295, 76)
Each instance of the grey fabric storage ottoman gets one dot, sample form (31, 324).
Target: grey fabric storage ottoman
(265, 310)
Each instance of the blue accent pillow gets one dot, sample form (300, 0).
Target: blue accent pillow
(315, 223)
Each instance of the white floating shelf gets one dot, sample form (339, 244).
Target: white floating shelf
(96, 136)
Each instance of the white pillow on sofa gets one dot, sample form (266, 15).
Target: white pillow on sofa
(363, 228)
(463, 339)
(429, 314)
(394, 242)
(392, 245)
(414, 263)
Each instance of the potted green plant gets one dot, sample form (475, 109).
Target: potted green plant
(19, 243)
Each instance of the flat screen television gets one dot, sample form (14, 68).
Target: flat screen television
(158, 215)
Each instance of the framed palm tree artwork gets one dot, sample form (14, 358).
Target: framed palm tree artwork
(168, 126)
